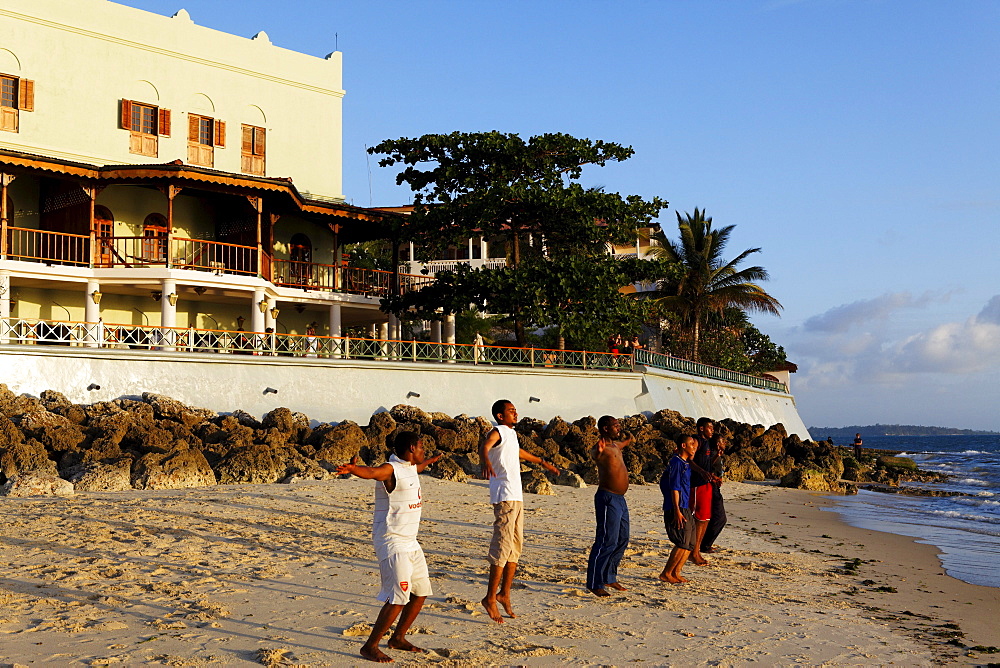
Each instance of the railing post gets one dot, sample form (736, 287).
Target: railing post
(584, 355)
(532, 352)
(413, 350)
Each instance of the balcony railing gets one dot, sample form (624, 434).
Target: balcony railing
(671, 363)
(434, 266)
(374, 282)
(221, 258)
(28, 331)
(49, 247)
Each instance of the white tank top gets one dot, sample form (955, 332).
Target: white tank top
(505, 458)
(397, 514)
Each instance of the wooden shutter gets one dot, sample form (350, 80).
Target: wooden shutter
(220, 134)
(126, 114)
(193, 127)
(248, 139)
(258, 142)
(164, 122)
(26, 95)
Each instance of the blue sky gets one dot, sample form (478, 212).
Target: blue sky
(855, 141)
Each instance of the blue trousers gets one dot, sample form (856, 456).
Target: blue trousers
(611, 540)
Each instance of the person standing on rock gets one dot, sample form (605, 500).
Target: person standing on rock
(403, 569)
(675, 483)
(702, 483)
(500, 458)
(610, 507)
(857, 447)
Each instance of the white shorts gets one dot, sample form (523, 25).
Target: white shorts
(403, 573)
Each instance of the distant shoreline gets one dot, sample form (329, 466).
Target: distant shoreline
(868, 431)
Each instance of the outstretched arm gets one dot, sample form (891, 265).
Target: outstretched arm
(627, 441)
(383, 472)
(535, 459)
(491, 440)
(427, 462)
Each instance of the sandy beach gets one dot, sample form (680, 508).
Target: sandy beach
(285, 575)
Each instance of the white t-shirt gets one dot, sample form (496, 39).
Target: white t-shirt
(397, 515)
(505, 458)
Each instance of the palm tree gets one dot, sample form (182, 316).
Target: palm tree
(708, 282)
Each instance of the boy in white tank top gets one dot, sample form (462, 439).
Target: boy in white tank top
(500, 457)
(403, 570)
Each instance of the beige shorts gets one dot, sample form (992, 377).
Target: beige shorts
(508, 533)
(403, 573)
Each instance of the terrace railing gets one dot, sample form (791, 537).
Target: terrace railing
(661, 361)
(50, 247)
(28, 331)
(201, 255)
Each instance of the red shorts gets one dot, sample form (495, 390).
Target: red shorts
(702, 505)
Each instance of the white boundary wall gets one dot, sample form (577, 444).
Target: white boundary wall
(335, 390)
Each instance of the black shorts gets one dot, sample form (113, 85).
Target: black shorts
(682, 538)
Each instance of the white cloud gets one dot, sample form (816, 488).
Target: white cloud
(866, 311)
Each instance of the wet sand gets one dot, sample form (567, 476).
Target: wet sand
(285, 575)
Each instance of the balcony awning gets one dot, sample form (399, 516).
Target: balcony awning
(280, 193)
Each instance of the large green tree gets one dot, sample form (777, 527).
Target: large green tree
(709, 283)
(509, 189)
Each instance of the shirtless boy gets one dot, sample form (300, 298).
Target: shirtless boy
(500, 457)
(405, 583)
(675, 483)
(610, 507)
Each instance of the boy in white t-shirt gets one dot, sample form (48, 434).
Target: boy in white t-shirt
(398, 502)
(500, 457)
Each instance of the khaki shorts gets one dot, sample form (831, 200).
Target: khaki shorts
(402, 574)
(508, 533)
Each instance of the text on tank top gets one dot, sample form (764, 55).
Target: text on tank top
(397, 514)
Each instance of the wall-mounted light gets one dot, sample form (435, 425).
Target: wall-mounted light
(200, 290)
(239, 322)
(156, 295)
(299, 308)
(270, 390)
(262, 305)
(172, 298)
(412, 394)
(96, 296)
(274, 313)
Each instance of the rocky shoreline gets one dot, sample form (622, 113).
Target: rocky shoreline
(50, 446)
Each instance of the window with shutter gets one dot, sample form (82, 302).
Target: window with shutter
(253, 150)
(144, 122)
(201, 140)
(16, 95)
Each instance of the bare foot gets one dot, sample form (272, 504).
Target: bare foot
(680, 579)
(708, 550)
(616, 586)
(666, 577)
(376, 655)
(700, 561)
(492, 610)
(403, 644)
(600, 591)
(505, 602)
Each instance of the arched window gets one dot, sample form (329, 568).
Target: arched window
(104, 230)
(300, 254)
(154, 238)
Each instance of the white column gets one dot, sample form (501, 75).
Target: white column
(92, 314)
(483, 249)
(168, 313)
(436, 331)
(449, 333)
(336, 328)
(257, 318)
(384, 334)
(393, 324)
(4, 305)
(414, 269)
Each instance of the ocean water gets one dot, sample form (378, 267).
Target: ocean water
(965, 529)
